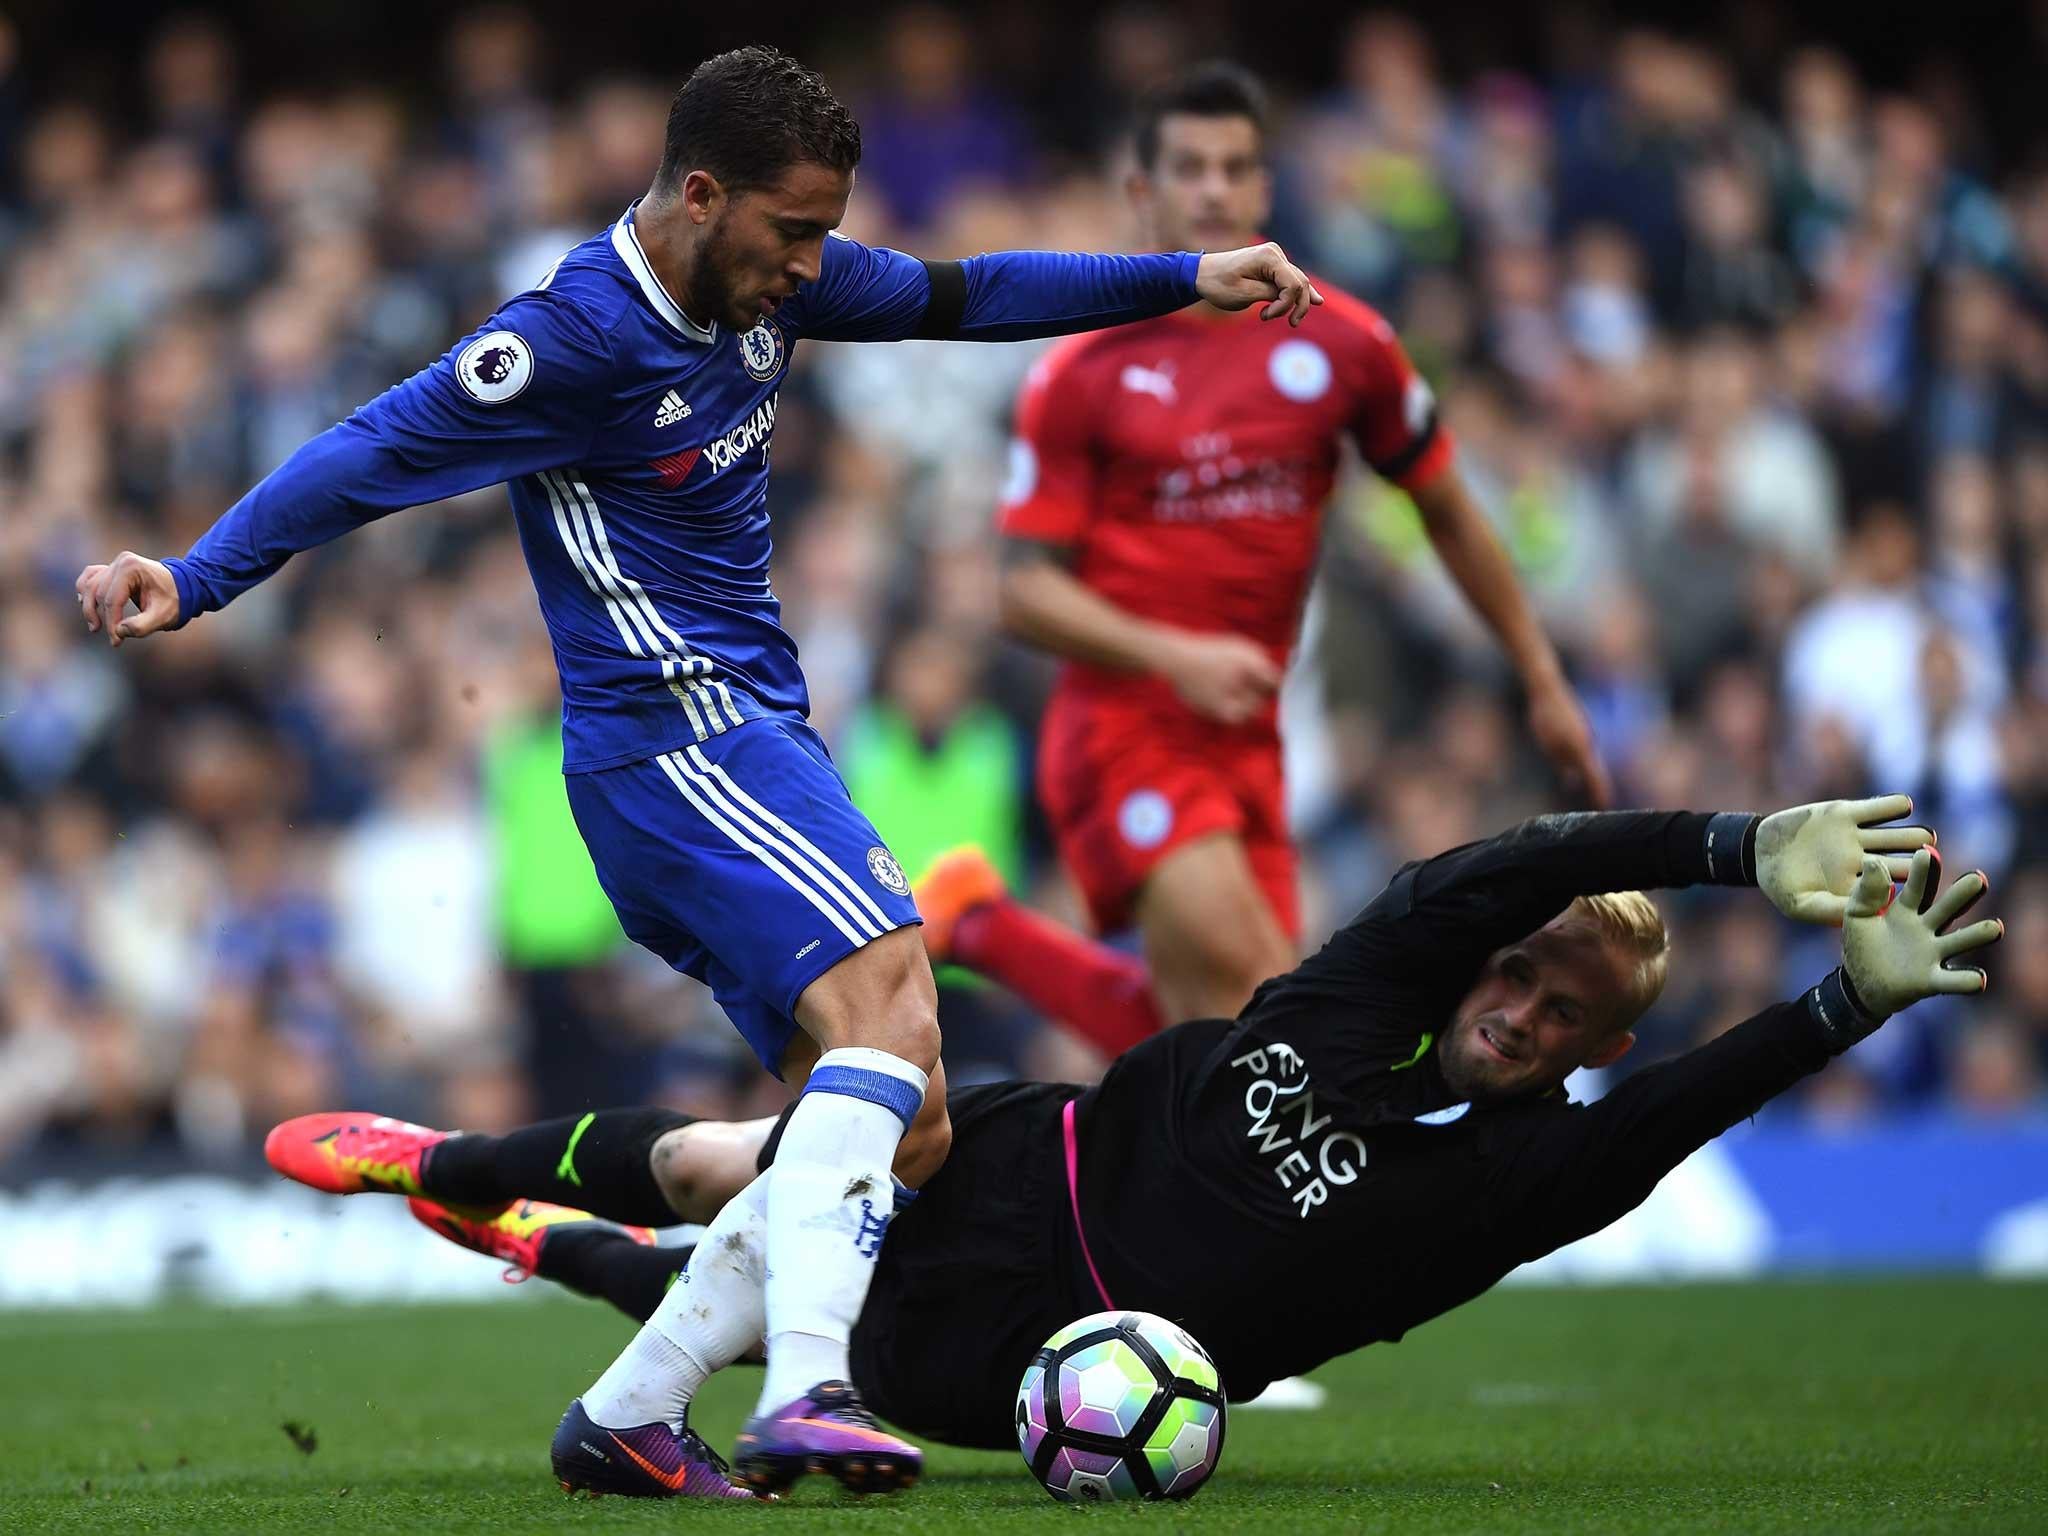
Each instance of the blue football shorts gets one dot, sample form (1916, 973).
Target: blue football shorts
(742, 861)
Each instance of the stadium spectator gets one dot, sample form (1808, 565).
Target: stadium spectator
(935, 128)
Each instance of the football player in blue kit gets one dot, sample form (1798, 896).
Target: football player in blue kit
(628, 402)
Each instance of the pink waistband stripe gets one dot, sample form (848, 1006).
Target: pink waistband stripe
(1074, 1201)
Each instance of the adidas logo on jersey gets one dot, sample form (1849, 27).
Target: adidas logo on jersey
(673, 409)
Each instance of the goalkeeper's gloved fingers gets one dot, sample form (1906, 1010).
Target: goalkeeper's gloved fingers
(1873, 893)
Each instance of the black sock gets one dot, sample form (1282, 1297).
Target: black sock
(610, 1265)
(596, 1162)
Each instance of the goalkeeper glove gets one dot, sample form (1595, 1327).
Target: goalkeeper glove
(1894, 952)
(1807, 858)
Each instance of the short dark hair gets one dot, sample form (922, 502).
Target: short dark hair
(749, 115)
(1214, 89)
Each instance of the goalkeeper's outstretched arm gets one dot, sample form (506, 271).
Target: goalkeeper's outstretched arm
(1443, 916)
(1584, 1169)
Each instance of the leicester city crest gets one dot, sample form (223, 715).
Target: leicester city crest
(1145, 818)
(761, 351)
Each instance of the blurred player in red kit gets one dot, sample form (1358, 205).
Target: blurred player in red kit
(1161, 523)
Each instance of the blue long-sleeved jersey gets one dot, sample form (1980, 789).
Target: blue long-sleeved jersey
(635, 443)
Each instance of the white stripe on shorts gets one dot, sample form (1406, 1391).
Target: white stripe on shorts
(692, 789)
(784, 839)
(785, 829)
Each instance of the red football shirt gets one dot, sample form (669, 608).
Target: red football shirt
(1186, 461)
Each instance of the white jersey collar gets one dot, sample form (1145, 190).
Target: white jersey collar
(627, 243)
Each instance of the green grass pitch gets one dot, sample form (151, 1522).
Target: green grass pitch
(1905, 1406)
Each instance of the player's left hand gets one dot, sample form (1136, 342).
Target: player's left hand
(1808, 857)
(106, 591)
(1893, 945)
(1558, 724)
(1257, 274)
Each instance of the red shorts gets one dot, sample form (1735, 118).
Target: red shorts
(1124, 787)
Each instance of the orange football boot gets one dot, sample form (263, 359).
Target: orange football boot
(956, 882)
(513, 1233)
(350, 1152)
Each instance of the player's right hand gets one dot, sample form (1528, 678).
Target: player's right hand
(1807, 857)
(1257, 274)
(1226, 678)
(1893, 947)
(105, 591)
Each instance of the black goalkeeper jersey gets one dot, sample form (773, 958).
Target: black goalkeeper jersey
(1300, 1181)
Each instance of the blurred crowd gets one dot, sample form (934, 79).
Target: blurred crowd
(1754, 381)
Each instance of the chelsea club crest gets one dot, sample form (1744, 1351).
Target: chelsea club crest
(887, 872)
(761, 351)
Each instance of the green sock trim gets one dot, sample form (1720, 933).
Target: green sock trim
(566, 1168)
(1428, 1039)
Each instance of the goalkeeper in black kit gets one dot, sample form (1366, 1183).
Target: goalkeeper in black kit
(1378, 1137)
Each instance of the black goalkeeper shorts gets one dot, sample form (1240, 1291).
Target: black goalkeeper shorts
(976, 1273)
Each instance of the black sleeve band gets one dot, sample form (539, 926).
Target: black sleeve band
(1731, 847)
(947, 304)
(1839, 1012)
(1399, 465)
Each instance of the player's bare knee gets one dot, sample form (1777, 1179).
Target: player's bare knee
(920, 1037)
(700, 1166)
(883, 998)
(907, 1027)
(670, 1164)
(908, 1024)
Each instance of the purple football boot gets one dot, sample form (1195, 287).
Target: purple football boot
(828, 1429)
(649, 1462)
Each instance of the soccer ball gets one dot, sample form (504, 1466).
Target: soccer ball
(1120, 1405)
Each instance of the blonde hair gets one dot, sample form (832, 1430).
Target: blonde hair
(1630, 919)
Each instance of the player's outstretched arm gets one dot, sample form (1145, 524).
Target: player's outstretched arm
(870, 293)
(516, 397)
(1583, 1170)
(1458, 907)
(1443, 916)
(1015, 295)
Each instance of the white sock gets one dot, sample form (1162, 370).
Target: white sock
(830, 1197)
(710, 1317)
